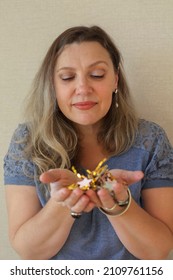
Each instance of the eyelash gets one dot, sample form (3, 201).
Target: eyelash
(67, 79)
(97, 76)
(92, 76)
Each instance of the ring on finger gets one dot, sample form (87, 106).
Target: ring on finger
(76, 215)
(112, 208)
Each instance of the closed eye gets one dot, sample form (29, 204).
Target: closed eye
(67, 78)
(97, 76)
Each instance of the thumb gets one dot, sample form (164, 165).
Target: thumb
(63, 176)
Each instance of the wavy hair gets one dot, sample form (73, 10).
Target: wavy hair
(53, 139)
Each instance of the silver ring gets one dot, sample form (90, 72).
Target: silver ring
(76, 215)
(123, 203)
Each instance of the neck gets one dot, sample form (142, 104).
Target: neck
(88, 132)
(90, 151)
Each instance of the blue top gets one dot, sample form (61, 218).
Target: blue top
(92, 236)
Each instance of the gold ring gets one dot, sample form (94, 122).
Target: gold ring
(112, 208)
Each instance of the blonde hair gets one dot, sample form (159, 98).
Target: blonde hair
(53, 140)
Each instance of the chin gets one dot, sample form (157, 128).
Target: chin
(87, 122)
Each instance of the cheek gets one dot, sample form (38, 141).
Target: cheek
(107, 99)
(60, 101)
(108, 103)
(60, 96)
(62, 104)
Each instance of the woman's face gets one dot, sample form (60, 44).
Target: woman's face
(84, 80)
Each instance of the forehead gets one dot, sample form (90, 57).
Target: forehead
(85, 51)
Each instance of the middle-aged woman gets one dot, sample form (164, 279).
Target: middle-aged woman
(79, 112)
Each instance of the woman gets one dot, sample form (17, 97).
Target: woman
(79, 112)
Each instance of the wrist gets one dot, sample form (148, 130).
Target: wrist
(119, 208)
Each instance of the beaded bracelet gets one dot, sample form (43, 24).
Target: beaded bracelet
(110, 213)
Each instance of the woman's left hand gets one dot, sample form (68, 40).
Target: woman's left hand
(123, 180)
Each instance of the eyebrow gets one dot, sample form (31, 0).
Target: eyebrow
(90, 66)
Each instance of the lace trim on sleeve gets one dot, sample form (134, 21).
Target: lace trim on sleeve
(16, 166)
(160, 162)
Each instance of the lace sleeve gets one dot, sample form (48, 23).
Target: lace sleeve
(159, 170)
(17, 169)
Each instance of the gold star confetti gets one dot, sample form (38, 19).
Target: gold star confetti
(95, 180)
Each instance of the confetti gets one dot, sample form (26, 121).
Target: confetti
(95, 180)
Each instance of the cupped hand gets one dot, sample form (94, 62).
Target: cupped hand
(80, 201)
(76, 200)
(123, 179)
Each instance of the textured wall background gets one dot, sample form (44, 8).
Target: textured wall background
(142, 30)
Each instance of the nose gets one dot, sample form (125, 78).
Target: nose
(83, 86)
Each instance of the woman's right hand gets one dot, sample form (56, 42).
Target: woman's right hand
(77, 200)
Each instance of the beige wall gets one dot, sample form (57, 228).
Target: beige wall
(141, 28)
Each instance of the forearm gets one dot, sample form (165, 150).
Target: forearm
(42, 236)
(143, 235)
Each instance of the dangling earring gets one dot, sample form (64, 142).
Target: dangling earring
(116, 98)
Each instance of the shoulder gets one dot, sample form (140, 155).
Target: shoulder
(153, 141)
(150, 134)
(146, 128)
(19, 139)
(21, 132)
(16, 163)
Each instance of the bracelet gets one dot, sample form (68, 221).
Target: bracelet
(109, 213)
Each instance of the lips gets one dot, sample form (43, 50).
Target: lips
(85, 105)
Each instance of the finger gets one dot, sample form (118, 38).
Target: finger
(120, 191)
(106, 198)
(73, 198)
(129, 177)
(81, 204)
(94, 197)
(64, 176)
(90, 206)
(60, 195)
